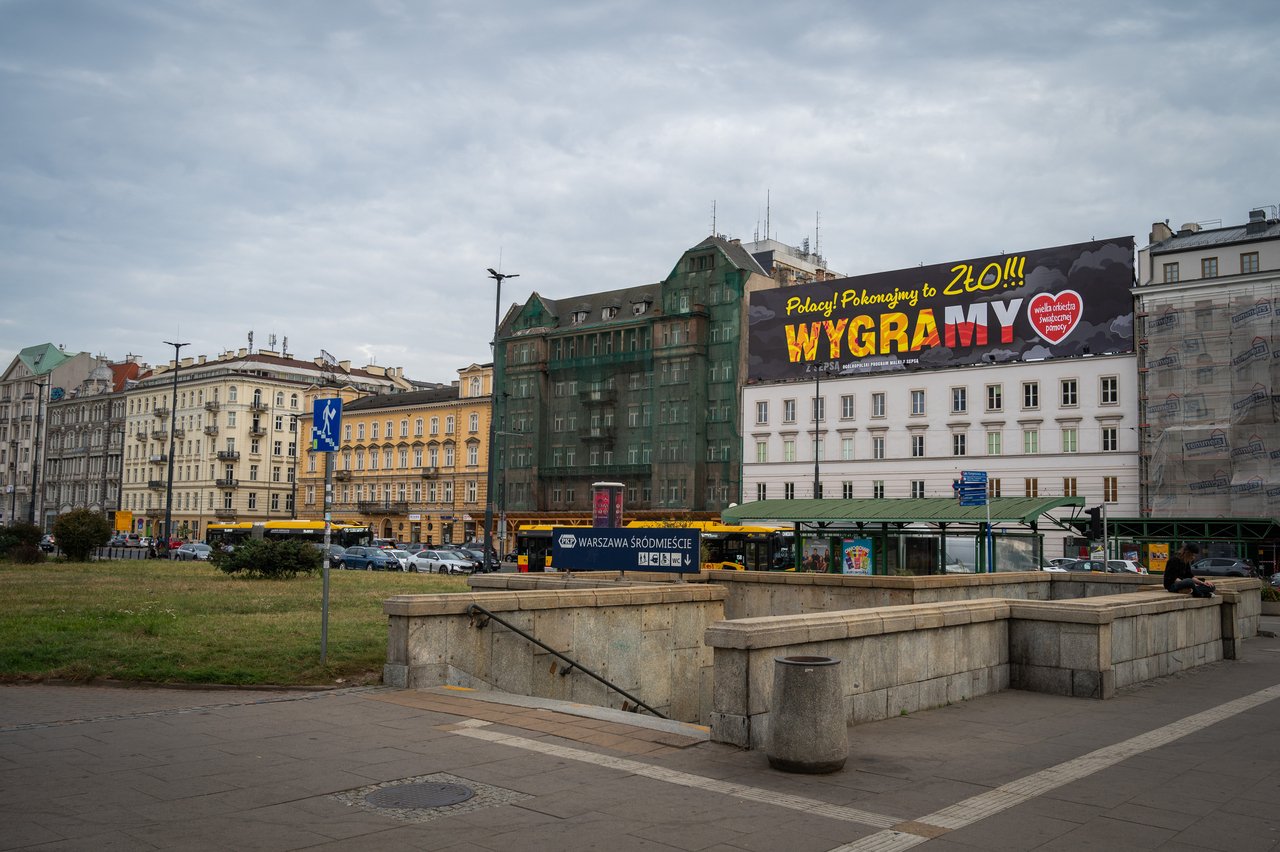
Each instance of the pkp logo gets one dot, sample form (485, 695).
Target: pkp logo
(568, 541)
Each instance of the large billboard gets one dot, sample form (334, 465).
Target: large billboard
(1048, 303)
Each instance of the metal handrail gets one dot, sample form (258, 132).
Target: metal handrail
(572, 664)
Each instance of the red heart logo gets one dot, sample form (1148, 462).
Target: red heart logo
(1055, 316)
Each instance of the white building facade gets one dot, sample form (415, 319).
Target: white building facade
(1062, 427)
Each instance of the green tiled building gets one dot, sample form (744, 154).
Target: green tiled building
(638, 385)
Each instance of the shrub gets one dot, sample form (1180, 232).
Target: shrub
(19, 534)
(279, 560)
(79, 531)
(26, 554)
(1270, 593)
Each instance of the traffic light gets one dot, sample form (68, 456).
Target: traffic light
(1095, 522)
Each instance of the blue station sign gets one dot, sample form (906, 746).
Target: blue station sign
(625, 549)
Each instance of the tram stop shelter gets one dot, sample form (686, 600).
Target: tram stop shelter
(1256, 539)
(912, 536)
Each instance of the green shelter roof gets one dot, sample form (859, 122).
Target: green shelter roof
(928, 510)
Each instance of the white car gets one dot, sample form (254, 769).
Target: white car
(1056, 564)
(427, 561)
(403, 557)
(1125, 566)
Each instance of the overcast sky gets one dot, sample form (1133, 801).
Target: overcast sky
(341, 173)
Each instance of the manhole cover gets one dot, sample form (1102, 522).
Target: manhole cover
(428, 795)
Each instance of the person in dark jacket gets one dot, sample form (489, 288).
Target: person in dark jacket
(1178, 576)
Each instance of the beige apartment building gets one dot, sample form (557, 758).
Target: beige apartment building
(235, 435)
(411, 465)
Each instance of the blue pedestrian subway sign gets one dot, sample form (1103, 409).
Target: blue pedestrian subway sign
(625, 549)
(326, 423)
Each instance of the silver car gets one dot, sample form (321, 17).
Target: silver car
(440, 562)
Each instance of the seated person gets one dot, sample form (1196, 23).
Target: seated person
(1178, 577)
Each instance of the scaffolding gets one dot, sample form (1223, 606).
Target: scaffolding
(1208, 365)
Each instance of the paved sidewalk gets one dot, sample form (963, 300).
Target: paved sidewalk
(1187, 762)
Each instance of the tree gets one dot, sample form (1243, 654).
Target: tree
(79, 531)
(273, 560)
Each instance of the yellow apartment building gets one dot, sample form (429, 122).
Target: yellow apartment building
(411, 465)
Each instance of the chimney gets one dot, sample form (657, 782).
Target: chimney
(1257, 222)
(188, 361)
(1160, 231)
(1188, 228)
(203, 359)
(345, 366)
(242, 352)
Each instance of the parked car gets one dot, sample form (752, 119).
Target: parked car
(47, 544)
(1221, 566)
(384, 543)
(1085, 565)
(413, 546)
(402, 556)
(334, 550)
(1056, 563)
(368, 559)
(440, 562)
(191, 551)
(1125, 566)
(477, 555)
(461, 553)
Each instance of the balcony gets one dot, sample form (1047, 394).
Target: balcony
(213, 405)
(159, 435)
(155, 484)
(342, 475)
(596, 433)
(161, 411)
(157, 512)
(225, 514)
(257, 405)
(377, 507)
(211, 430)
(226, 483)
(179, 434)
(257, 432)
(430, 472)
(158, 458)
(228, 455)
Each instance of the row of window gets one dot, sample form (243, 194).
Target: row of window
(473, 426)
(189, 501)
(146, 404)
(1069, 437)
(1209, 267)
(1068, 397)
(917, 489)
(401, 457)
(433, 492)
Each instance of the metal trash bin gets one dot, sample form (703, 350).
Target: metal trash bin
(807, 729)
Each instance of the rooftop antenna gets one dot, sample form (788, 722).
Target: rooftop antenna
(250, 342)
(817, 233)
(767, 207)
(284, 346)
(713, 217)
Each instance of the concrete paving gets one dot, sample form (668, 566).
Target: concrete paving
(1185, 762)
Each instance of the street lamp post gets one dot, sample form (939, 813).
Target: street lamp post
(13, 486)
(35, 454)
(494, 385)
(173, 423)
(818, 411)
(297, 452)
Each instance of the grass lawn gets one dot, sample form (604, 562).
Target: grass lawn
(182, 622)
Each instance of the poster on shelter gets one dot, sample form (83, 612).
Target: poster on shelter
(816, 555)
(857, 555)
(1048, 303)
